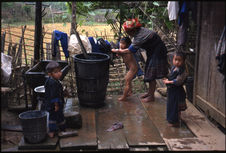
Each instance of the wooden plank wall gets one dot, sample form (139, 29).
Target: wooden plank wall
(209, 86)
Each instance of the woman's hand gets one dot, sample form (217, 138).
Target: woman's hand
(115, 50)
(121, 51)
(56, 107)
(166, 81)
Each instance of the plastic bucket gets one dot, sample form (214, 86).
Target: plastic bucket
(92, 77)
(34, 125)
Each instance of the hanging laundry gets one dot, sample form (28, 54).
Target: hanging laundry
(95, 46)
(185, 7)
(173, 9)
(104, 46)
(74, 46)
(58, 35)
(183, 24)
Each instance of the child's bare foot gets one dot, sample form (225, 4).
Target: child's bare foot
(130, 94)
(148, 99)
(144, 95)
(122, 98)
(173, 125)
(51, 134)
(179, 115)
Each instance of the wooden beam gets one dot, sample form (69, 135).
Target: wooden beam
(197, 48)
(210, 110)
(38, 31)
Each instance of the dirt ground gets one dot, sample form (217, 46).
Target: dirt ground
(10, 139)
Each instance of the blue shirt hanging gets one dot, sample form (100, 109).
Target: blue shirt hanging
(58, 35)
(95, 46)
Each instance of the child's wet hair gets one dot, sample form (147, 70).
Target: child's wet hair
(181, 54)
(51, 66)
(127, 40)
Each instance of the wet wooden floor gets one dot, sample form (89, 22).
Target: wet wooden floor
(145, 128)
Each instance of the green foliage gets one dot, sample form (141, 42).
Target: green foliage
(156, 3)
(155, 9)
(16, 12)
(7, 5)
(83, 8)
(88, 12)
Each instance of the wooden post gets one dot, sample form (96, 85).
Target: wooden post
(38, 31)
(10, 37)
(197, 48)
(25, 54)
(9, 49)
(13, 64)
(17, 60)
(105, 34)
(41, 43)
(48, 51)
(3, 42)
(120, 22)
(58, 55)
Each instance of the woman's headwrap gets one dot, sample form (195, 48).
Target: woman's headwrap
(131, 24)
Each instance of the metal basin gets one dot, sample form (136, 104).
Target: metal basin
(40, 90)
(36, 76)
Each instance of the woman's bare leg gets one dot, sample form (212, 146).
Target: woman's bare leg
(151, 91)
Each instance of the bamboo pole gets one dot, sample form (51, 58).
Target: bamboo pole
(25, 54)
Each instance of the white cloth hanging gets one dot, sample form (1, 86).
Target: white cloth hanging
(173, 8)
(75, 48)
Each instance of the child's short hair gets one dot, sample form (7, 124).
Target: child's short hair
(127, 40)
(181, 54)
(51, 66)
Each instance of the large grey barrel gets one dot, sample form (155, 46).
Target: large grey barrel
(92, 77)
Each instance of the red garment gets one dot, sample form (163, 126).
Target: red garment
(131, 23)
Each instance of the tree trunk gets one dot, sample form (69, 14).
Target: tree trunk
(73, 18)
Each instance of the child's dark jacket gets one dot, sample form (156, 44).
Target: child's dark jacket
(53, 93)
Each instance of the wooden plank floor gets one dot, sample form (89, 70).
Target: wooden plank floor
(86, 138)
(138, 128)
(145, 128)
(138, 132)
(105, 117)
(157, 113)
(205, 131)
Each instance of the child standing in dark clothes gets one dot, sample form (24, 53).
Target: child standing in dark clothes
(54, 98)
(176, 94)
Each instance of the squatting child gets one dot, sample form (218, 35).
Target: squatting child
(54, 98)
(130, 61)
(176, 93)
